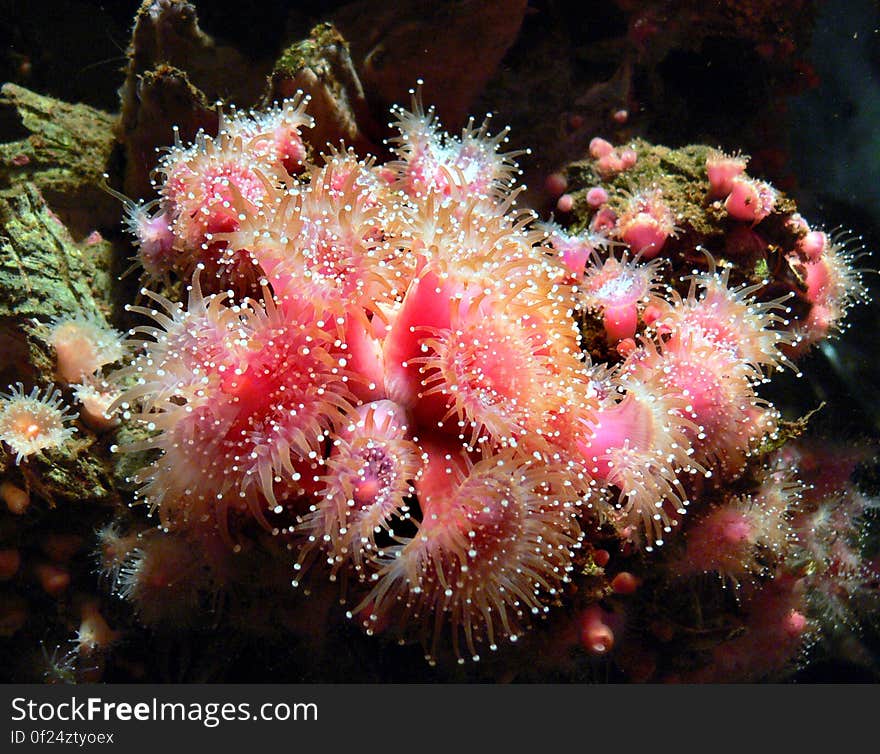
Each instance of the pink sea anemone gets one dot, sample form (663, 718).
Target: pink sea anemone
(365, 490)
(646, 223)
(619, 289)
(237, 399)
(494, 548)
(35, 421)
(83, 344)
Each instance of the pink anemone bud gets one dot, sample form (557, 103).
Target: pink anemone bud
(565, 203)
(628, 158)
(795, 624)
(597, 196)
(555, 184)
(722, 169)
(813, 245)
(600, 148)
(596, 635)
(625, 583)
(611, 160)
(750, 200)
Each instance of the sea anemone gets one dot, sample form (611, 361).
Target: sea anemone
(431, 160)
(495, 373)
(238, 399)
(34, 422)
(750, 331)
(83, 344)
(166, 580)
(619, 289)
(646, 223)
(833, 285)
(637, 441)
(493, 550)
(370, 471)
(728, 420)
(744, 537)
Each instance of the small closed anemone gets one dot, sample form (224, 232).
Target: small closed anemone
(83, 344)
(34, 422)
(721, 169)
(493, 550)
(430, 160)
(365, 490)
(619, 289)
(238, 400)
(637, 441)
(733, 320)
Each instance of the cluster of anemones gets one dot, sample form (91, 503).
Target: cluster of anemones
(404, 397)
(39, 420)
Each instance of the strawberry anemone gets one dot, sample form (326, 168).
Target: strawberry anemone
(325, 242)
(493, 549)
(749, 331)
(636, 440)
(432, 161)
(370, 471)
(727, 418)
(619, 289)
(238, 400)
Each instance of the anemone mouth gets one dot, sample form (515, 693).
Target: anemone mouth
(364, 502)
(486, 561)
